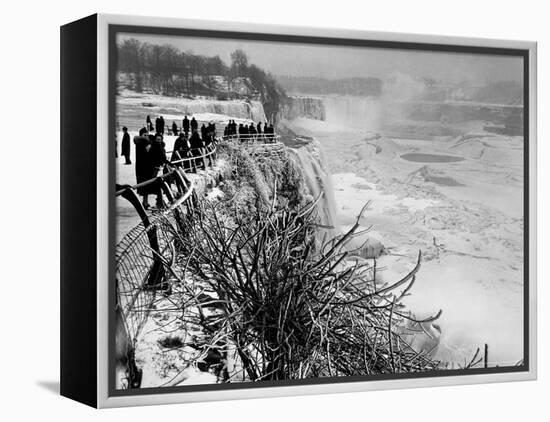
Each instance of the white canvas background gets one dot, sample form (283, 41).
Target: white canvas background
(29, 316)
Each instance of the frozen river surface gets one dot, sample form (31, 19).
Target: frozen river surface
(464, 214)
(419, 157)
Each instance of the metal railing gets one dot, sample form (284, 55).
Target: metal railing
(168, 130)
(253, 139)
(174, 176)
(143, 255)
(191, 160)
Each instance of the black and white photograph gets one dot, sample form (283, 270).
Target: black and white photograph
(291, 211)
(278, 211)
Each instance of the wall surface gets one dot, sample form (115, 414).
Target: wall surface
(30, 277)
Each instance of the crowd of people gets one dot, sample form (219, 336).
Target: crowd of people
(191, 145)
(242, 131)
(194, 146)
(159, 125)
(246, 132)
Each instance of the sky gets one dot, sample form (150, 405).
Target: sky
(334, 62)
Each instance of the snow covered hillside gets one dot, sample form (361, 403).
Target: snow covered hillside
(133, 107)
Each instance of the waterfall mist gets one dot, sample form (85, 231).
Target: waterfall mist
(360, 113)
(317, 179)
(370, 113)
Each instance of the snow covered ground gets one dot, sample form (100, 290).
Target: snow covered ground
(465, 216)
(134, 107)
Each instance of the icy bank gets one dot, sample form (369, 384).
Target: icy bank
(311, 163)
(180, 106)
(363, 113)
(300, 106)
(334, 112)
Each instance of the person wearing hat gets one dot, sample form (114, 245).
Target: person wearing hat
(125, 152)
(162, 125)
(157, 160)
(143, 162)
(182, 150)
(197, 149)
(194, 125)
(185, 125)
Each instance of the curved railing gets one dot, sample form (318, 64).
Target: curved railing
(192, 159)
(144, 255)
(174, 175)
(253, 139)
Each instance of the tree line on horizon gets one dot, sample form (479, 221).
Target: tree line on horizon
(166, 70)
(359, 86)
(497, 92)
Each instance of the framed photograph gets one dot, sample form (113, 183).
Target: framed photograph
(254, 211)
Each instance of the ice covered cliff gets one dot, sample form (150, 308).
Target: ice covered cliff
(176, 107)
(301, 106)
(310, 161)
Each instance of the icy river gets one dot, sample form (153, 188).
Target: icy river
(459, 201)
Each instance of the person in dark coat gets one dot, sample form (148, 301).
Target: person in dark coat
(143, 166)
(252, 132)
(246, 133)
(185, 125)
(212, 129)
(157, 152)
(259, 128)
(148, 124)
(157, 159)
(194, 125)
(208, 140)
(204, 132)
(162, 125)
(126, 145)
(196, 141)
(174, 129)
(197, 148)
(210, 135)
(182, 149)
